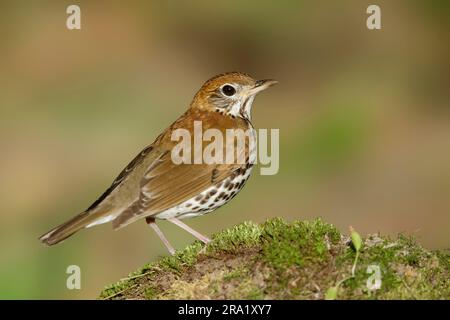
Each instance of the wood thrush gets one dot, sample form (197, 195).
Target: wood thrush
(153, 186)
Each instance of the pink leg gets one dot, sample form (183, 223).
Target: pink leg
(158, 231)
(184, 226)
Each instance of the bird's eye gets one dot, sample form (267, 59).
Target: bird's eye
(228, 90)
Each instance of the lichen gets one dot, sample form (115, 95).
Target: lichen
(298, 260)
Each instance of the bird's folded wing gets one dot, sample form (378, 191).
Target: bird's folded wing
(124, 174)
(166, 184)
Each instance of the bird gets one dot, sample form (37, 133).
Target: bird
(154, 187)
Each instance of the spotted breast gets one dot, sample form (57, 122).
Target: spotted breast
(212, 198)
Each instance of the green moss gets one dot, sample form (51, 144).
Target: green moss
(244, 235)
(444, 259)
(150, 293)
(281, 260)
(408, 271)
(297, 243)
(236, 274)
(180, 260)
(252, 293)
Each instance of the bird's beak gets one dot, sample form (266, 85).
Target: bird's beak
(261, 85)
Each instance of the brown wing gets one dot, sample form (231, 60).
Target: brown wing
(122, 176)
(166, 185)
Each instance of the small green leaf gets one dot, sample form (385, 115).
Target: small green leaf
(331, 293)
(356, 239)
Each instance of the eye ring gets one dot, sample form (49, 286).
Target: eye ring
(228, 90)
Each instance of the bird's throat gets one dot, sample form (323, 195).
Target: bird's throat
(241, 109)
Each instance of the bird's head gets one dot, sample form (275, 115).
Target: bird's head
(230, 94)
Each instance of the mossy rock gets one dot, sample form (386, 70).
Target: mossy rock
(299, 260)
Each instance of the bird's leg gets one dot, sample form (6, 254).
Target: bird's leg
(151, 222)
(196, 234)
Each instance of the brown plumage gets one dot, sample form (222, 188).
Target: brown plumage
(153, 186)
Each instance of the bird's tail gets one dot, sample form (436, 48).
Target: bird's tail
(68, 228)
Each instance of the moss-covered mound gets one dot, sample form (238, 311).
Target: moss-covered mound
(299, 260)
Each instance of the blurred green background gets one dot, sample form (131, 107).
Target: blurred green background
(364, 120)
